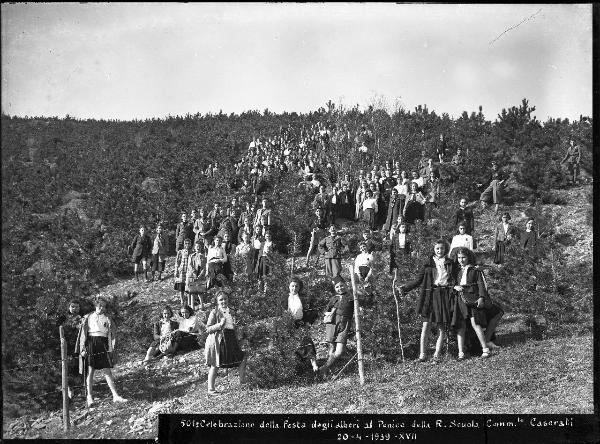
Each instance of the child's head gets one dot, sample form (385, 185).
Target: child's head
(402, 228)
(462, 228)
(100, 303)
(267, 234)
(142, 230)
(362, 247)
(464, 256)
(74, 306)
(366, 234)
(463, 202)
(183, 217)
(187, 244)
(198, 246)
(332, 229)
(226, 236)
(339, 285)
(295, 285)
(217, 241)
(529, 224)
(439, 248)
(505, 217)
(414, 187)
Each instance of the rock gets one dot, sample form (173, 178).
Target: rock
(152, 184)
(42, 267)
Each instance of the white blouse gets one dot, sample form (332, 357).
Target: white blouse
(98, 324)
(295, 306)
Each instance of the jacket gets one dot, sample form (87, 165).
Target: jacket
(160, 246)
(141, 246)
(466, 216)
(425, 280)
(331, 247)
(184, 231)
(344, 306)
(501, 235)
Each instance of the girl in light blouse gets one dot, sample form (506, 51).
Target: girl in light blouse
(215, 259)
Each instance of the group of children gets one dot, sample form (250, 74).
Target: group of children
(453, 291)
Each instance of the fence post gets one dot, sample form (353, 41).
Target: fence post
(361, 372)
(65, 380)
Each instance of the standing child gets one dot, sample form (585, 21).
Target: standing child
(140, 251)
(470, 303)
(435, 303)
(370, 208)
(395, 207)
(529, 240)
(317, 227)
(331, 249)
(159, 253)
(400, 249)
(181, 268)
(196, 270)
(464, 215)
(363, 268)
(504, 234)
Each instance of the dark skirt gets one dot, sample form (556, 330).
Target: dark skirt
(214, 269)
(185, 341)
(500, 252)
(230, 353)
(156, 265)
(369, 218)
(414, 211)
(464, 312)
(338, 332)
(437, 306)
(98, 356)
(263, 266)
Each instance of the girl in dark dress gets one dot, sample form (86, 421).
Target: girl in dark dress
(435, 303)
(302, 310)
(504, 235)
(529, 240)
(222, 349)
(394, 211)
(470, 301)
(414, 208)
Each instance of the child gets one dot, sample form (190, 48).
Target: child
(493, 192)
(436, 279)
(504, 234)
(464, 215)
(470, 287)
(462, 239)
(265, 248)
(337, 331)
(246, 251)
(140, 250)
(229, 249)
(301, 308)
(96, 342)
(159, 253)
(184, 230)
(331, 248)
(215, 259)
(220, 327)
(181, 268)
(363, 268)
(317, 228)
(370, 209)
(414, 206)
(196, 270)
(529, 239)
(400, 249)
(395, 207)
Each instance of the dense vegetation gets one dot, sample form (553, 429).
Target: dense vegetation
(74, 194)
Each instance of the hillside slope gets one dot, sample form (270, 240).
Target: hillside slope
(558, 369)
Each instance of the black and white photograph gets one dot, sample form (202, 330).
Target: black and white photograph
(336, 212)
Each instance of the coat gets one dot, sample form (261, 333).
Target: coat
(501, 235)
(141, 246)
(425, 280)
(331, 247)
(184, 231)
(394, 211)
(465, 216)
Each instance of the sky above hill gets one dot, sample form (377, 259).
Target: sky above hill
(126, 61)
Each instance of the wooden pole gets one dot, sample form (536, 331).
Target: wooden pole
(361, 373)
(65, 380)
(398, 317)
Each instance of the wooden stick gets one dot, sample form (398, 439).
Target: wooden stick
(361, 373)
(65, 380)
(398, 318)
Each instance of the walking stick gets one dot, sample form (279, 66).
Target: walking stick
(361, 373)
(398, 317)
(344, 367)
